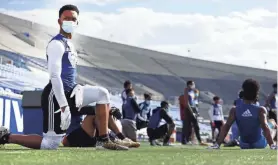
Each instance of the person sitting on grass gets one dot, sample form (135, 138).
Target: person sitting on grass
(251, 120)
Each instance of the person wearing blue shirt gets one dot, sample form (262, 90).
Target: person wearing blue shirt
(63, 97)
(130, 111)
(127, 85)
(157, 131)
(251, 120)
(145, 110)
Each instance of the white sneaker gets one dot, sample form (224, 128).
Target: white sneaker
(128, 143)
(109, 145)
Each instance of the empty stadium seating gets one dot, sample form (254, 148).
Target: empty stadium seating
(110, 64)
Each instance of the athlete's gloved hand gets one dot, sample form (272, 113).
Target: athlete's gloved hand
(198, 114)
(215, 146)
(273, 147)
(78, 93)
(115, 112)
(65, 118)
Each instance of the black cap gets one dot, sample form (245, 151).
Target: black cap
(126, 83)
(215, 98)
(147, 96)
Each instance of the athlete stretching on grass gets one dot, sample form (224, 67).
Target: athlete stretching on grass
(251, 120)
(84, 134)
(62, 96)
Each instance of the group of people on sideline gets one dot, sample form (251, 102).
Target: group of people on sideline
(138, 116)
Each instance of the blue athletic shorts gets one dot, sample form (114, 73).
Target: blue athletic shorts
(235, 132)
(260, 144)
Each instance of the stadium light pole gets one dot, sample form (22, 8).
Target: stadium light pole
(188, 55)
(265, 62)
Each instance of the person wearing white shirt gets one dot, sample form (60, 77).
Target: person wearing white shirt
(62, 96)
(216, 116)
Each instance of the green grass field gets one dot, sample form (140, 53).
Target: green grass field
(145, 155)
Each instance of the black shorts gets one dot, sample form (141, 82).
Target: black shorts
(51, 113)
(218, 125)
(158, 132)
(79, 138)
(141, 124)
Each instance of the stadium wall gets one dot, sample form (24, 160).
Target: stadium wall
(11, 113)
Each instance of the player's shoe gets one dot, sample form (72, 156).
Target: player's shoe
(127, 142)
(154, 143)
(4, 135)
(157, 143)
(189, 143)
(232, 143)
(203, 144)
(109, 145)
(167, 144)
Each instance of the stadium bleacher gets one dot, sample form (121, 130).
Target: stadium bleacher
(110, 64)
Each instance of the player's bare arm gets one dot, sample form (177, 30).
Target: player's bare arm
(227, 126)
(264, 125)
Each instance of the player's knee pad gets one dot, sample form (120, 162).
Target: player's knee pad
(104, 97)
(51, 142)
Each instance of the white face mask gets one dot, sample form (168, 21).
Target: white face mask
(192, 86)
(69, 26)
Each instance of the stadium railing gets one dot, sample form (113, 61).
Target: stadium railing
(22, 75)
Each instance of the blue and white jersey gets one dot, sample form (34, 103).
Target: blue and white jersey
(62, 62)
(216, 113)
(191, 97)
(248, 122)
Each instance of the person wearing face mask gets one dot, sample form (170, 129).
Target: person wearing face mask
(62, 97)
(130, 111)
(155, 131)
(191, 114)
(144, 115)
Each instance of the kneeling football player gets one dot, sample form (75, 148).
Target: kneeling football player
(155, 131)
